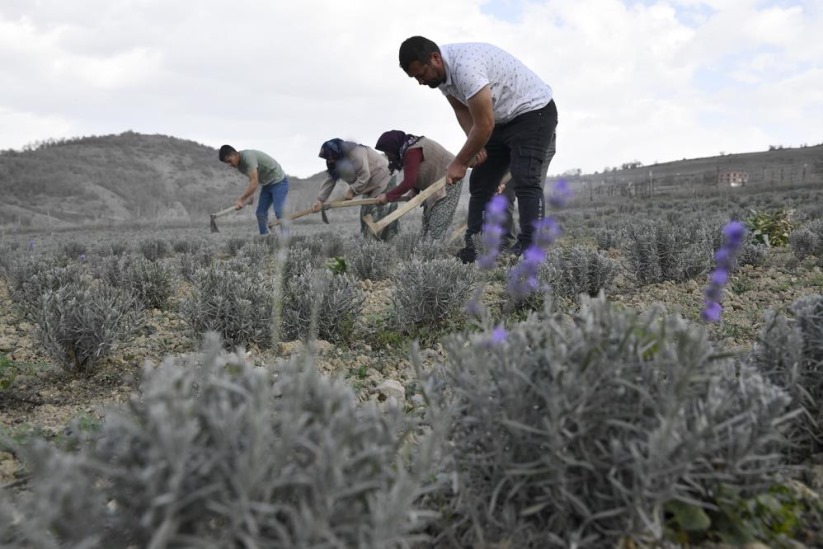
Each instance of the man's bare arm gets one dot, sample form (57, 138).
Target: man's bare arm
(461, 111)
(249, 192)
(481, 118)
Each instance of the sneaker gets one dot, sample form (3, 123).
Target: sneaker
(467, 255)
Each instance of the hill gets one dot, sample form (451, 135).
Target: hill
(777, 167)
(128, 177)
(134, 177)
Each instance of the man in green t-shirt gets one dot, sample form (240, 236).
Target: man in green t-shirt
(263, 171)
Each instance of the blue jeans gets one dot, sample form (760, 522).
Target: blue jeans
(271, 194)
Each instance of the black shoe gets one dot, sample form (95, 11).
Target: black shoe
(515, 250)
(467, 255)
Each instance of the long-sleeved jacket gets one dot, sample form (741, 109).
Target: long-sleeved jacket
(369, 174)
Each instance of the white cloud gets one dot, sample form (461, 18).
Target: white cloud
(633, 80)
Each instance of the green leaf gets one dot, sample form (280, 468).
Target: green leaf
(690, 517)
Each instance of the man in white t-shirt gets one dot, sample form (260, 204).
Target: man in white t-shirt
(509, 118)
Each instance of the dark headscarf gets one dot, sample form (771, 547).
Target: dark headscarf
(333, 151)
(395, 143)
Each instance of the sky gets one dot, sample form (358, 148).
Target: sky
(634, 80)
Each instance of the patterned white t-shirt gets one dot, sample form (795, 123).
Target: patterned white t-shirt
(515, 88)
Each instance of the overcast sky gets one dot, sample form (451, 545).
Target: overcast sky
(652, 81)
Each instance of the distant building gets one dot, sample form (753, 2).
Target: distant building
(732, 178)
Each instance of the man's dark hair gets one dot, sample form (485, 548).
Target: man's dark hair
(225, 151)
(416, 48)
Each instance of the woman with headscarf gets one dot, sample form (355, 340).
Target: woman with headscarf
(423, 162)
(366, 172)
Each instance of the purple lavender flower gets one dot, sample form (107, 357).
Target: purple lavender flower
(492, 230)
(735, 235)
(499, 335)
(546, 232)
(560, 194)
(82, 258)
(711, 313)
(522, 279)
(31, 244)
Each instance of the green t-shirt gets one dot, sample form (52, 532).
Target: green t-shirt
(268, 169)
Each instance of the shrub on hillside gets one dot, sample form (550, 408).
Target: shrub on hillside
(213, 454)
(580, 432)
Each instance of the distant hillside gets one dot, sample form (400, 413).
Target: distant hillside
(121, 178)
(772, 168)
(134, 177)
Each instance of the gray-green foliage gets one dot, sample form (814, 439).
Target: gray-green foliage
(29, 278)
(660, 250)
(232, 300)
(808, 240)
(578, 270)
(410, 245)
(81, 323)
(371, 259)
(153, 283)
(189, 263)
(319, 299)
(575, 432)
(427, 292)
(790, 354)
(235, 244)
(297, 261)
(212, 453)
(154, 248)
(608, 238)
(73, 249)
(752, 253)
(111, 247)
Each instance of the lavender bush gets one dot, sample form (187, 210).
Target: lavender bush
(81, 323)
(576, 432)
(233, 302)
(213, 454)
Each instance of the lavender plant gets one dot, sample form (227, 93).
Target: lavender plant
(808, 241)
(320, 304)
(233, 302)
(153, 283)
(658, 251)
(81, 323)
(427, 292)
(213, 454)
(29, 278)
(371, 259)
(576, 432)
(577, 270)
(73, 249)
(735, 235)
(154, 248)
(789, 353)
